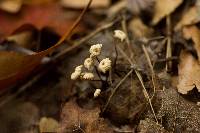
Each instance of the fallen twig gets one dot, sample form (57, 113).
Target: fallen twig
(151, 67)
(83, 40)
(169, 47)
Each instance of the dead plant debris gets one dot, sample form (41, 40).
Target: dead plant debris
(99, 66)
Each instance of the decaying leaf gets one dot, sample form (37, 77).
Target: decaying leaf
(192, 32)
(16, 66)
(164, 8)
(48, 125)
(75, 118)
(188, 73)
(192, 16)
(50, 15)
(139, 29)
(83, 3)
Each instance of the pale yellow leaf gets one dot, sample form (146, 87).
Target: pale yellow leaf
(188, 73)
(192, 16)
(192, 32)
(164, 8)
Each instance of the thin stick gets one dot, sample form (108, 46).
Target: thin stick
(115, 89)
(146, 94)
(85, 39)
(169, 49)
(66, 34)
(151, 67)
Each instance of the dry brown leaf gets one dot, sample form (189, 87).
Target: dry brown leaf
(164, 8)
(48, 125)
(139, 29)
(15, 66)
(188, 73)
(192, 32)
(79, 119)
(192, 16)
(83, 3)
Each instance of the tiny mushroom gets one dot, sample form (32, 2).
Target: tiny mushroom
(120, 35)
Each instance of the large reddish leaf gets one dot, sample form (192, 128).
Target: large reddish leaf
(50, 15)
(15, 66)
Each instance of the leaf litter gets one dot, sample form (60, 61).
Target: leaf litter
(137, 92)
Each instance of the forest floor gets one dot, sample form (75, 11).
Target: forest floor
(145, 78)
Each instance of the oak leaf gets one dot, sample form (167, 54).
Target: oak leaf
(192, 16)
(192, 32)
(188, 73)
